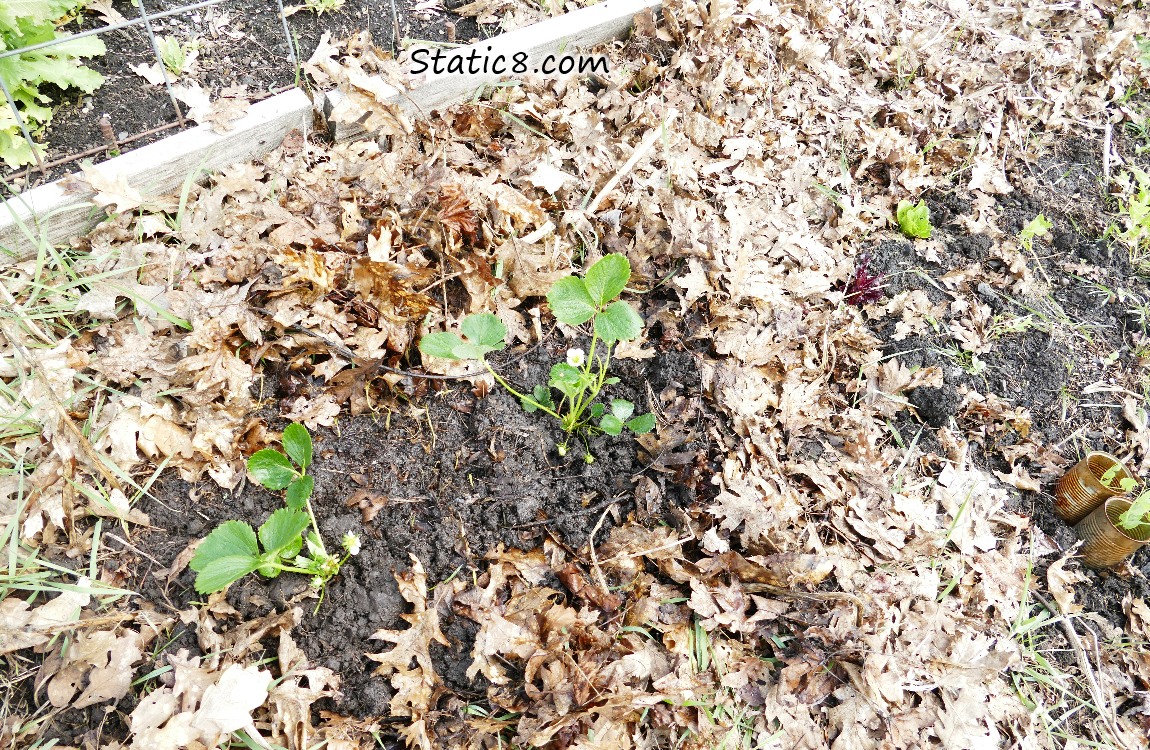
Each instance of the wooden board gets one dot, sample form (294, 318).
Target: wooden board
(157, 169)
(577, 30)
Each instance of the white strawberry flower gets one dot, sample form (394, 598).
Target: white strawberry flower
(576, 357)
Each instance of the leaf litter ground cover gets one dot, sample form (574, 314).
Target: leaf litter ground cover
(861, 555)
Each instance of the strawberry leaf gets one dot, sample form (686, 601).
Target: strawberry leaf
(299, 491)
(271, 469)
(297, 443)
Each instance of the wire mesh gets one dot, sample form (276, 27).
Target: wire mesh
(145, 20)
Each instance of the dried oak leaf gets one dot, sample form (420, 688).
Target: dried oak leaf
(455, 212)
(112, 189)
(102, 660)
(21, 627)
(291, 698)
(418, 687)
(202, 706)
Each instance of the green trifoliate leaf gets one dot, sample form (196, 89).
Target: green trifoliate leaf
(913, 221)
(570, 301)
(567, 379)
(622, 408)
(484, 329)
(619, 322)
(611, 424)
(297, 443)
(229, 539)
(228, 554)
(222, 571)
(642, 424)
(484, 332)
(282, 534)
(271, 468)
(440, 344)
(540, 396)
(299, 491)
(607, 277)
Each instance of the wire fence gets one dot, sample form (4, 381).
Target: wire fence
(147, 20)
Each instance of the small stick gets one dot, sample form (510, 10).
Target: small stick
(1106, 153)
(816, 596)
(591, 544)
(1088, 674)
(643, 148)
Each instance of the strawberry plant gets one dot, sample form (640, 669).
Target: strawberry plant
(583, 375)
(234, 549)
(24, 23)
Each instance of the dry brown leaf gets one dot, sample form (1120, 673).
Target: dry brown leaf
(112, 189)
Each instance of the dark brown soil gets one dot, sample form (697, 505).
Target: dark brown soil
(1046, 367)
(455, 476)
(242, 43)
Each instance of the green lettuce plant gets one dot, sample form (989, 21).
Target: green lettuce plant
(583, 375)
(234, 549)
(913, 221)
(24, 23)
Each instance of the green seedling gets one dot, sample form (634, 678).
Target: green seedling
(914, 221)
(319, 7)
(234, 549)
(1125, 485)
(1139, 511)
(1135, 220)
(1039, 226)
(177, 56)
(583, 375)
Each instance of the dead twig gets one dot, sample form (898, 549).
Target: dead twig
(641, 150)
(1088, 672)
(816, 596)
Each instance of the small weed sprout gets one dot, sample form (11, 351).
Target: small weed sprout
(865, 286)
(913, 220)
(234, 549)
(579, 378)
(177, 56)
(1139, 511)
(319, 7)
(1039, 226)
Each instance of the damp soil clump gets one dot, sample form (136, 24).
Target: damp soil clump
(446, 479)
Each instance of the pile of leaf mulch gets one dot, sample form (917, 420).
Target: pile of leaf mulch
(837, 534)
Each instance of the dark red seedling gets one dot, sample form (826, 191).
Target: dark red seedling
(864, 287)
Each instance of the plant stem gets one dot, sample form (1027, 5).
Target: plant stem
(516, 393)
(315, 526)
(588, 394)
(293, 569)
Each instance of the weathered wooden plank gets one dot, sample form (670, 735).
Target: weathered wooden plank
(156, 169)
(573, 31)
